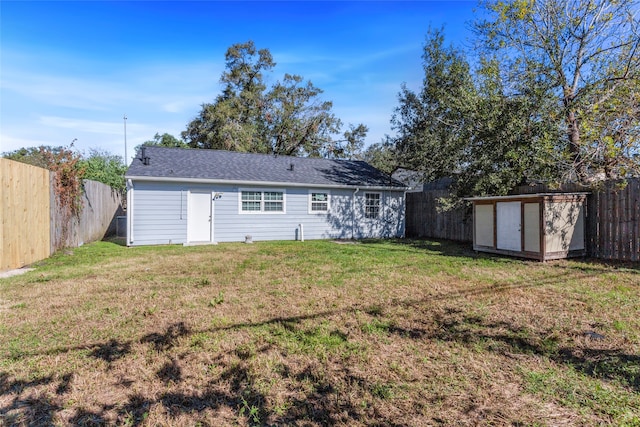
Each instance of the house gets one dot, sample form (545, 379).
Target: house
(189, 196)
(542, 226)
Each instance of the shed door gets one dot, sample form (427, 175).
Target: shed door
(508, 226)
(199, 217)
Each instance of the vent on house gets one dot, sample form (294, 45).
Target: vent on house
(143, 156)
(291, 167)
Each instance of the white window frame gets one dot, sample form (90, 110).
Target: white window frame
(379, 215)
(262, 211)
(310, 202)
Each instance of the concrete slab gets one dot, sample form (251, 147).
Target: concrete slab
(9, 273)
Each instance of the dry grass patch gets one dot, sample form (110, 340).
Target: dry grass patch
(317, 333)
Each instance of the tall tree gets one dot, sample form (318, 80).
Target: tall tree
(468, 127)
(288, 118)
(234, 121)
(579, 51)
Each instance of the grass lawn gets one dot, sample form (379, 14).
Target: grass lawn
(380, 333)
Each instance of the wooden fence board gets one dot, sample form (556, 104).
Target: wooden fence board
(24, 214)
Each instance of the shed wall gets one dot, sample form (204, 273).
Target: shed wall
(564, 223)
(484, 225)
(532, 227)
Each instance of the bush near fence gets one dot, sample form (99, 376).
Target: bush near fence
(612, 226)
(33, 225)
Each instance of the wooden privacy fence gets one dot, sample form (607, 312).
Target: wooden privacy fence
(425, 218)
(24, 215)
(100, 205)
(612, 226)
(34, 225)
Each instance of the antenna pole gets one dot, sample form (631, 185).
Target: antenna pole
(125, 140)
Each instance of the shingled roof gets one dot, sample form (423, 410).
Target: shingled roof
(169, 164)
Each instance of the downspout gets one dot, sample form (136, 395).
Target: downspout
(353, 213)
(404, 214)
(129, 212)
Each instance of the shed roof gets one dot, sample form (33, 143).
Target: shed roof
(195, 165)
(525, 196)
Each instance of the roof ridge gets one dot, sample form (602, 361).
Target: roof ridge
(247, 153)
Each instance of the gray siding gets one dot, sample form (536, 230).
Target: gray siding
(159, 215)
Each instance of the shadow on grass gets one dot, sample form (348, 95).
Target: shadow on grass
(506, 339)
(335, 400)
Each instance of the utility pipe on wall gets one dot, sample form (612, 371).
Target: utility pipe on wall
(301, 232)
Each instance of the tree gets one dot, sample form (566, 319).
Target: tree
(382, 156)
(582, 53)
(35, 156)
(164, 140)
(104, 167)
(289, 118)
(468, 127)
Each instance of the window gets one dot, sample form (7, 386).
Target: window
(261, 201)
(273, 201)
(251, 200)
(371, 205)
(318, 202)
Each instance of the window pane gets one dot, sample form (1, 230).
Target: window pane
(251, 195)
(273, 195)
(319, 197)
(273, 206)
(251, 206)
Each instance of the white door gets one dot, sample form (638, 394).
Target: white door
(508, 226)
(199, 217)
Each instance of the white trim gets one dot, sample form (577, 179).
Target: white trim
(263, 190)
(309, 202)
(266, 183)
(129, 212)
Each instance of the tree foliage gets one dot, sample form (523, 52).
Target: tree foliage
(585, 55)
(287, 118)
(36, 156)
(554, 96)
(164, 140)
(104, 167)
(465, 126)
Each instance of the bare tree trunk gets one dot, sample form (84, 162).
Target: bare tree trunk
(574, 145)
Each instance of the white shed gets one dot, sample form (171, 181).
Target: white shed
(539, 226)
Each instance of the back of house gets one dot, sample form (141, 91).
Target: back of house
(189, 196)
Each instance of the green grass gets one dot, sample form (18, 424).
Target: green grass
(317, 333)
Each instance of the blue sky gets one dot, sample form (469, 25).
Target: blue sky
(72, 70)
